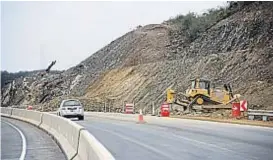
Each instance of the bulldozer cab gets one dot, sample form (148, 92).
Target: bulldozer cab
(201, 84)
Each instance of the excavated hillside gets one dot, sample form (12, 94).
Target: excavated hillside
(139, 66)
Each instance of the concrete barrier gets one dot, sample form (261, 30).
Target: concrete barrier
(64, 131)
(30, 116)
(75, 141)
(165, 121)
(159, 121)
(91, 149)
(114, 116)
(6, 111)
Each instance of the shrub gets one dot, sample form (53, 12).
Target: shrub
(193, 25)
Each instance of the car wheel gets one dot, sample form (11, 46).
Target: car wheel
(81, 118)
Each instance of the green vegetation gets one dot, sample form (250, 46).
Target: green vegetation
(7, 77)
(193, 25)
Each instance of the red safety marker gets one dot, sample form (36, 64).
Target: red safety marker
(243, 105)
(236, 110)
(165, 110)
(140, 117)
(129, 108)
(29, 108)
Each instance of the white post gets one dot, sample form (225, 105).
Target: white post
(133, 106)
(140, 111)
(123, 107)
(153, 109)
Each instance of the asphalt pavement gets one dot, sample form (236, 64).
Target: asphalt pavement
(190, 140)
(20, 140)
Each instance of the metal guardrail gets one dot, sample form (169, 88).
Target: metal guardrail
(264, 113)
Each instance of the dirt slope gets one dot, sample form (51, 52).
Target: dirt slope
(140, 65)
(236, 50)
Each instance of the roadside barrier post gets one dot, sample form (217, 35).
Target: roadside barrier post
(153, 108)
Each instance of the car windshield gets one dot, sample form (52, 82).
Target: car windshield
(72, 103)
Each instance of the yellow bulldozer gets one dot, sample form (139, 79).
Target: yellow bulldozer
(201, 92)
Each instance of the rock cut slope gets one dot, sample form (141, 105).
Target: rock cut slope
(140, 65)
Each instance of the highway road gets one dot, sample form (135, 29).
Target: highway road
(20, 140)
(191, 140)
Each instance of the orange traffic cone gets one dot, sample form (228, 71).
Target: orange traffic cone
(140, 117)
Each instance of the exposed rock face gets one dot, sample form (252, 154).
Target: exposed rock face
(140, 65)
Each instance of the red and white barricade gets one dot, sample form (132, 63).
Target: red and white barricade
(129, 108)
(165, 110)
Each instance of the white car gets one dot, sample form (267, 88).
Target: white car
(71, 108)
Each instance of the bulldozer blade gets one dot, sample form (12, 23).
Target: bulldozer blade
(181, 104)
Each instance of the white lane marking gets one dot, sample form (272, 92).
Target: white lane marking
(136, 142)
(24, 142)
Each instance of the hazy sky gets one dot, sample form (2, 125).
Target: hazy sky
(35, 33)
